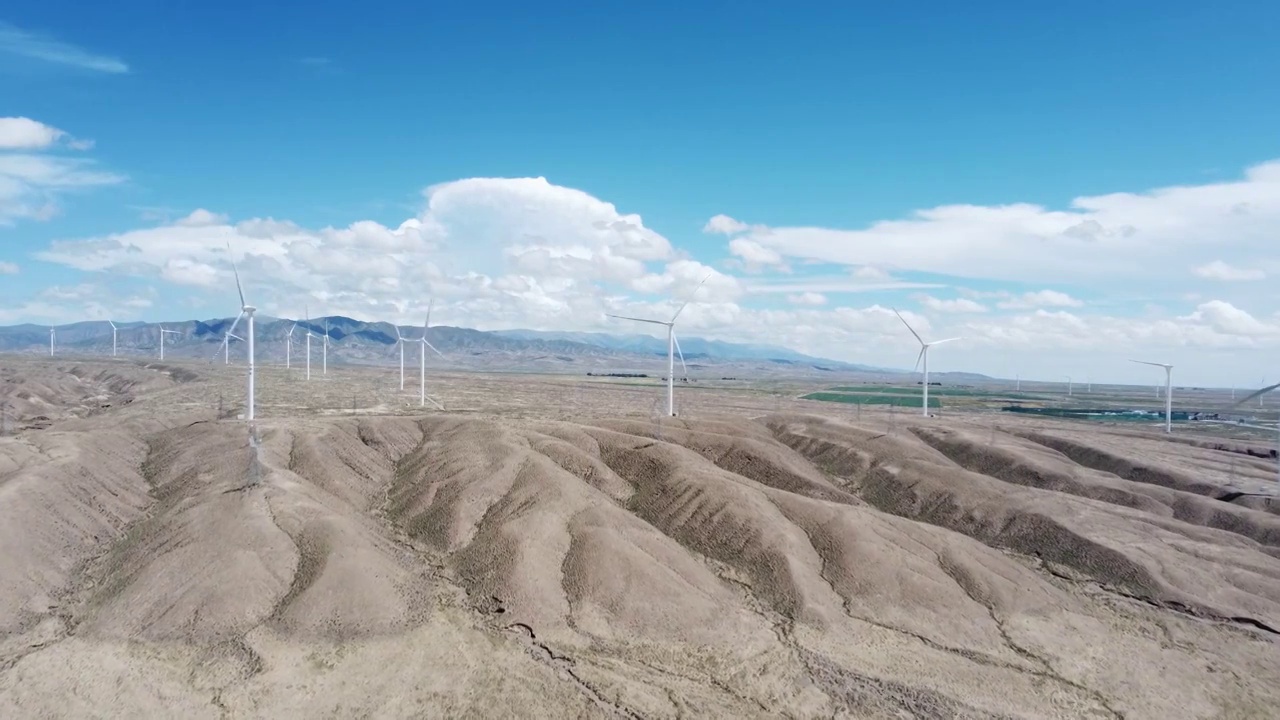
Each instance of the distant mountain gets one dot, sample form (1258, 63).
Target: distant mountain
(693, 347)
(356, 341)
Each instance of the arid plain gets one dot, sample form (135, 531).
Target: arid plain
(551, 547)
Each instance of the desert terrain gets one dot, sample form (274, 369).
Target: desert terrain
(551, 546)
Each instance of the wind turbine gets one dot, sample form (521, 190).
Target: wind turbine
(1258, 394)
(113, 338)
(422, 366)
(288, 347)
(247, 310)
(673, 345)
(923, 357)
(309, 336)
(324, 357)
(53, 334)
(1068, 377)
(1168, 392)
(164, 332)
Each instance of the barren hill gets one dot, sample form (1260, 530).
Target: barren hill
(159, 561)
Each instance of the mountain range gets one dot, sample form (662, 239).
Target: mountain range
(359, 342)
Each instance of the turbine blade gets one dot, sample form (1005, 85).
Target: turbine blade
(237, 274)
(680, 353)
(1153, 364)
(295, 327)
(904, 322)
(433, 402)
(430, 303)
(643, 320)
(433, 347)
(1255, 394)
(939, 342)
(692, 295)
(920, 357)
(226, 337)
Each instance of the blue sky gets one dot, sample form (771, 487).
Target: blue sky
(994, 172)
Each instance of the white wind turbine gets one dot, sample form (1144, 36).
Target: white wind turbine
(53, 334)
(113, 338)
(673, 345)
(400, 342)
(422, 361)
(324, 356)
(923, 357)
(164, 332)
(1069, 384)
(288, 347)
(1259, 394)
(1168, 391)
(246, 310)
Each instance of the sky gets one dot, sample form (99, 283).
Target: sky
(1063, 187)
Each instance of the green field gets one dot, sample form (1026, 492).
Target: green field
(940, 391)
(899, 400)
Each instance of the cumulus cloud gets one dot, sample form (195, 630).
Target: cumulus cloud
(507, 252)
(1118, 237)
(724, 225)
(8, 268)
(957, 305)
(756, 257)
(1218, 270)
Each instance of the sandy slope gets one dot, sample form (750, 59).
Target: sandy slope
(157, 561)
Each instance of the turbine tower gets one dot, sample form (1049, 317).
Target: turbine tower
(288, 347)
(1168, 392)
(164, 332)
(1069, 384)
(324, 357)
(310, 335)
(247, 310)
(422, 361)
(923, 357)
(53, 334)
(400, 342)
(113, 338)
(673, 345)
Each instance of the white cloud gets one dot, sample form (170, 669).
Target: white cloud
(724, 225)
(957, 305)
(812, 299)
(8, 268)
(1228, 319)
(870, 273)
(755, 257)
(1120, 237)
(37, 46)
(31, 184)
(22, 133)
(1039, 299)
(201, 218)
(1218, 270)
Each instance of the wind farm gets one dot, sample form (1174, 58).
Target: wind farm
(746, 341)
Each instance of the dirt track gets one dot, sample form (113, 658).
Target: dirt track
(731, 563)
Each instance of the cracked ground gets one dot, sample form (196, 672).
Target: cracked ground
(741, 561)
